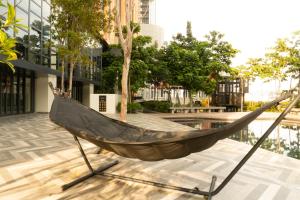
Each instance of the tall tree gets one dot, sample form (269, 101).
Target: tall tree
(77, 24)
(274, 64)
(126, 44)
(143, 60)
(196, 65)
(294, 56)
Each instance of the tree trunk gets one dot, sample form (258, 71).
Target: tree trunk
(124, 87)
(208, 100)
(191, 100)
(169, 96)
(71, 78)
(129, 90)
(154, 92)
(62, 76)
(184, 96)
(242, 94)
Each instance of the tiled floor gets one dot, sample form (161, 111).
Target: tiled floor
(37, 157)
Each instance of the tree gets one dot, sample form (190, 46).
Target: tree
(277, 60)
(294, 56)
(220, 55)
(77, 24)
(112, 68)
(8, 44)
(126, 44)
(274, 64)
(184, 60)
(143, 59)
(196, 65)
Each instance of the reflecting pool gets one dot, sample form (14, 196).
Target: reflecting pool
(285, 139)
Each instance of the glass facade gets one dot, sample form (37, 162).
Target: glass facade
(33, 41)
(16, 91)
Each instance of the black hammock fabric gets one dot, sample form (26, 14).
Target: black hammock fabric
(134, 142)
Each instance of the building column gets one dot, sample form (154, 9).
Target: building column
(43, 94)
(88, 89)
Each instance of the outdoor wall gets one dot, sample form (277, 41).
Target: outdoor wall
(111, 102)
(88, 89)
(154, 31)
(43, 94)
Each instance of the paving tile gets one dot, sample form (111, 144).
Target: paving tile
(37, 157)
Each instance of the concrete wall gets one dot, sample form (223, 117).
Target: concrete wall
(88, 89)
(43, 94)
(155, 32)
(111, 102)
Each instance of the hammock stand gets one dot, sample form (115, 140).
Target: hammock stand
(208, 194)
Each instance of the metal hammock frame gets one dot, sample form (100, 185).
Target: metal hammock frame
(208, 194)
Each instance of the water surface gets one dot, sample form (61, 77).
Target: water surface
(285, 139)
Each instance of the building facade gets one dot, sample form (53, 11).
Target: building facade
(111, 37)
(26, 90)
(148, 22)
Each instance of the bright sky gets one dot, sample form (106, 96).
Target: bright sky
(249, 25)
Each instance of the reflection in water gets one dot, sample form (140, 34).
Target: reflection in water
(285, 139)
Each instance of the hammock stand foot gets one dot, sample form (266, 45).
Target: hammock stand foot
(91, 174)
(92, 171)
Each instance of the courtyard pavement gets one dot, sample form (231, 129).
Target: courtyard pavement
(37, 157)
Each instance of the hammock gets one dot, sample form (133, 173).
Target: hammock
(134, 142)
(150, 145)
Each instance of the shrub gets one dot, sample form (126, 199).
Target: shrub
(251, 106)
(131, 107)
(159, 106)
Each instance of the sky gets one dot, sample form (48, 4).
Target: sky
(251, 26)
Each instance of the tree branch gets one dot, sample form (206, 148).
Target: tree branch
(119, 26)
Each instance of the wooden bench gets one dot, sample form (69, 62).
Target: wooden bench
(196, 109)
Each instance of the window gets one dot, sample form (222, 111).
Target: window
(35, 40)
(46, 10)
(35, 8)
(34, 58)
(46, 30)
(24, 4)
(22, 36)
(38, 2)
(46, 49)
(45, 61)
(20, 14)
(35, 21)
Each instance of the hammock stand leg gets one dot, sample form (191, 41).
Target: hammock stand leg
(256, 146)
(92, 171)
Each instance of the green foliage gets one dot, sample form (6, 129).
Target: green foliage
(111, 77)
(273, 65)
(131, 107)
(193, 64)
(294, 55)
(142, 61)
(159, 106)
(196, 65)
(8, 44)
(251, 106)
(77, 25)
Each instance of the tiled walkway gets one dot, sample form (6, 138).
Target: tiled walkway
(37, 157)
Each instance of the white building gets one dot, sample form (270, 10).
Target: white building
(148, 22)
